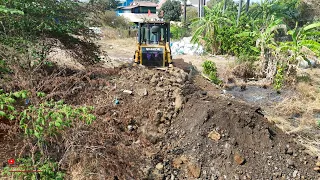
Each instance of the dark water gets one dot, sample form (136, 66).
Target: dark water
(258, 95)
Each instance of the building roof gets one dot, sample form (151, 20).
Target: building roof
(128, 7)
(161, 3)
(144, 4)
(139, 17)
(141, 4)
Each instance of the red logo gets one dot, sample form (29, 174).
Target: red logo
(11, 161)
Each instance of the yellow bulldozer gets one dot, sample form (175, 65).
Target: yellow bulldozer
(153, 44)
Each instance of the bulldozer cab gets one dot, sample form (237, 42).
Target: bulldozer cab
(154, 33)
(153, 46)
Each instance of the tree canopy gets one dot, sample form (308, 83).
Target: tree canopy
(172, 10)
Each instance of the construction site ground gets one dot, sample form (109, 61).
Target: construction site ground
(167, 123)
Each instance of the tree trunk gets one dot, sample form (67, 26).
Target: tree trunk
(185, 11)
(224, 6)
(247, 5)
(239, 12)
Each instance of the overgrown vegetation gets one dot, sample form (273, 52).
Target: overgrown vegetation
(178, 32)
(267, 32)
(28, 32)
(40, 122)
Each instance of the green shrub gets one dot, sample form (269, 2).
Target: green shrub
(178, 32)
(45, 119)
(210, 69)
(50, 117)
(8, 101)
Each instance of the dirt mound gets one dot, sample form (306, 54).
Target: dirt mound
(134, 109)
(158, 124)
(218, 138)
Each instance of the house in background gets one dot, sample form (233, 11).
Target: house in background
(138, 11)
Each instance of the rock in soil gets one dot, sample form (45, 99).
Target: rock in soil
(239, 159)
(214, 135)
(194, 170)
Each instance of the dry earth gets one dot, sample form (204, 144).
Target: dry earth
(165, 124)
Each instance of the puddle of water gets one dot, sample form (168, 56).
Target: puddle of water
(257, 95)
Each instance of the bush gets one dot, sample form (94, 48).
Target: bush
(178, 32)
(210, 69)
(192, 14)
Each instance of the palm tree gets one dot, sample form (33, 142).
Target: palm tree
(265, 41)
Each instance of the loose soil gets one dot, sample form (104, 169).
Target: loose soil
(241, 133)
(164, 124)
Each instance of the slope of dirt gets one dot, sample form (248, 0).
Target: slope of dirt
(242, 144)
(154, 124)
(134, 107)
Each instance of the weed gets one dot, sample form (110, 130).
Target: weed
(210, 69)
(49, 117)
(304, 78)
(279, 78)
(7, 102)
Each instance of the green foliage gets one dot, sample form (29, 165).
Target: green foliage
(178, 32)
(233, 44)
(3, 67)
(192, 14)
(43, 120)
(50, 117)
(40, 17)
(264, 36)
(103, 5)
(5, 10)
(279, 78)
(47, 169)
(172, 10)
(209, 27)
(8, 101)
(210, 69)
(301, 38)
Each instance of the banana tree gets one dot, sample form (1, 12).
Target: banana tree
(208, 27)
(265, 42)
(301, 39)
